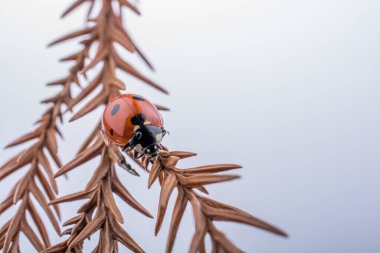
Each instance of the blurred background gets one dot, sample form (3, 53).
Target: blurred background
(288, 89)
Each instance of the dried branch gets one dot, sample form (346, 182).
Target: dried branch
(36, 156)
(40, 170)
(205, 210)
(100, 212)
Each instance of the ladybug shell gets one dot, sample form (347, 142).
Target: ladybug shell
(123, 114)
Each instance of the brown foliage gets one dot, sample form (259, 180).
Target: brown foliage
(100, 211)
(35, 158)
(205, 210)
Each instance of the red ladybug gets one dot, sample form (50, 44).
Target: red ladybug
(133, 122)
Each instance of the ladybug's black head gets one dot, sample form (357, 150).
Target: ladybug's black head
(146, 140)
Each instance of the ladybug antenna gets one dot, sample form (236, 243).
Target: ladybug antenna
(164, 132)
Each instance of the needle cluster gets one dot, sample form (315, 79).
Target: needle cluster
(101, 39)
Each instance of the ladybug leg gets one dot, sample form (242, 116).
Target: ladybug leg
(132, 143)
(136, 155)
(126, 147)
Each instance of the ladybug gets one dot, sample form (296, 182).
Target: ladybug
(133, 123)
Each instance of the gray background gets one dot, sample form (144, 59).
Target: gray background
(289, 89)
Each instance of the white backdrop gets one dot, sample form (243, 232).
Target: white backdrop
(289, 89)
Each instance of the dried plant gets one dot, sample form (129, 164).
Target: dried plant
(40, 171)
(99, 192)
(100, 212)
(205, 210)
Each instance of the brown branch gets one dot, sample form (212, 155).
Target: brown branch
(100, 212)
(36, 158)
(205, 210)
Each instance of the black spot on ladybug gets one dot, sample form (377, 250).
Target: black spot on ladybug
(138, 119)
(115, 109)
(138, 98)
(111, 132)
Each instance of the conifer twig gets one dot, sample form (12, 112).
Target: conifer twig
(36, 156)
(100, 212)
(206, 211)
